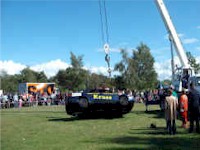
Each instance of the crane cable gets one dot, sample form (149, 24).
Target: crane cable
(105, 33)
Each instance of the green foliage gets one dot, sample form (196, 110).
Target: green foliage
(72, 79)
(143, 62)
(9, 83)
(119, 82)
(28, 75)
(41, 77)
(137, 71)
(76, 62)
(94, 80)
(124, 68)
(193, 63)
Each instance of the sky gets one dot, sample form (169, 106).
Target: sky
(42, 33)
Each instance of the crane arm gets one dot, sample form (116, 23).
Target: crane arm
(173, 34)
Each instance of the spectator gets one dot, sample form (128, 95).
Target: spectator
(15, 98)
(194, 107)
(120, 92)
(170, 112)
(6, 101)
(184, 108)
(20, 102)
(174, 92)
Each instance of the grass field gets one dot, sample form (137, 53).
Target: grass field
(50, 128)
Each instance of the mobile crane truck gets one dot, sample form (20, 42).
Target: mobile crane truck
(185, 74)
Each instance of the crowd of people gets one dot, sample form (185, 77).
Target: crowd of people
(187, 105)
(9, 100)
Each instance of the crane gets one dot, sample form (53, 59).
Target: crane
(186, 70)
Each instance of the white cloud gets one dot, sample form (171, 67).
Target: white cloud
(163, 68)
(190, 41)
(98, 70)
(11, 67)
(50, 68)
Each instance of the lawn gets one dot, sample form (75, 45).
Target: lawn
(50, 128)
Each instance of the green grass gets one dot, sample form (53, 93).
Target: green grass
(50, 128)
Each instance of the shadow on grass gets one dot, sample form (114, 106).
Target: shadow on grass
(153, 139)
(63, 119)
(155, 131)
(87, 117)
(155, 113)
(154, 143)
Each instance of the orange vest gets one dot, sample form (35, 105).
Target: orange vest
(183, 103)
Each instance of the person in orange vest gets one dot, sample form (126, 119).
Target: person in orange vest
(183, 104)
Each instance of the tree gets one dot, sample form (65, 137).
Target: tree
(143, 64)
(41, 77)
(76, 62)
(137, 71)
(73, 78)
(95, 80)
(9, 83)
(193, 63)
(119, 82)
(28, 75)
(122, 81)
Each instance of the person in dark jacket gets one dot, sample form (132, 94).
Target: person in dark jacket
(194, 107)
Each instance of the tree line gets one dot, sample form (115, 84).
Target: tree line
(136, 72)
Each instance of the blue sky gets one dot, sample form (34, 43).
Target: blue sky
(36, 32)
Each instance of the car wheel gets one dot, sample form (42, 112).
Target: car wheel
(123, 100)
(83, 102)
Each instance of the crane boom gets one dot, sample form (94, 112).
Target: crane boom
(173, 34)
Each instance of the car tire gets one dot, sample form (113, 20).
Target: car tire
(123, 100)
(83, 102)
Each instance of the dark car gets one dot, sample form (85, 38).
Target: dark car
(94, 101)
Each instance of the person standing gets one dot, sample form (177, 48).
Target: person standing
(174, 92)
(20, 102)
(15, 98)
(194, 107)
(170, 112)
(183, 105)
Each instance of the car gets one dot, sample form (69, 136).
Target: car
(98, 101)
